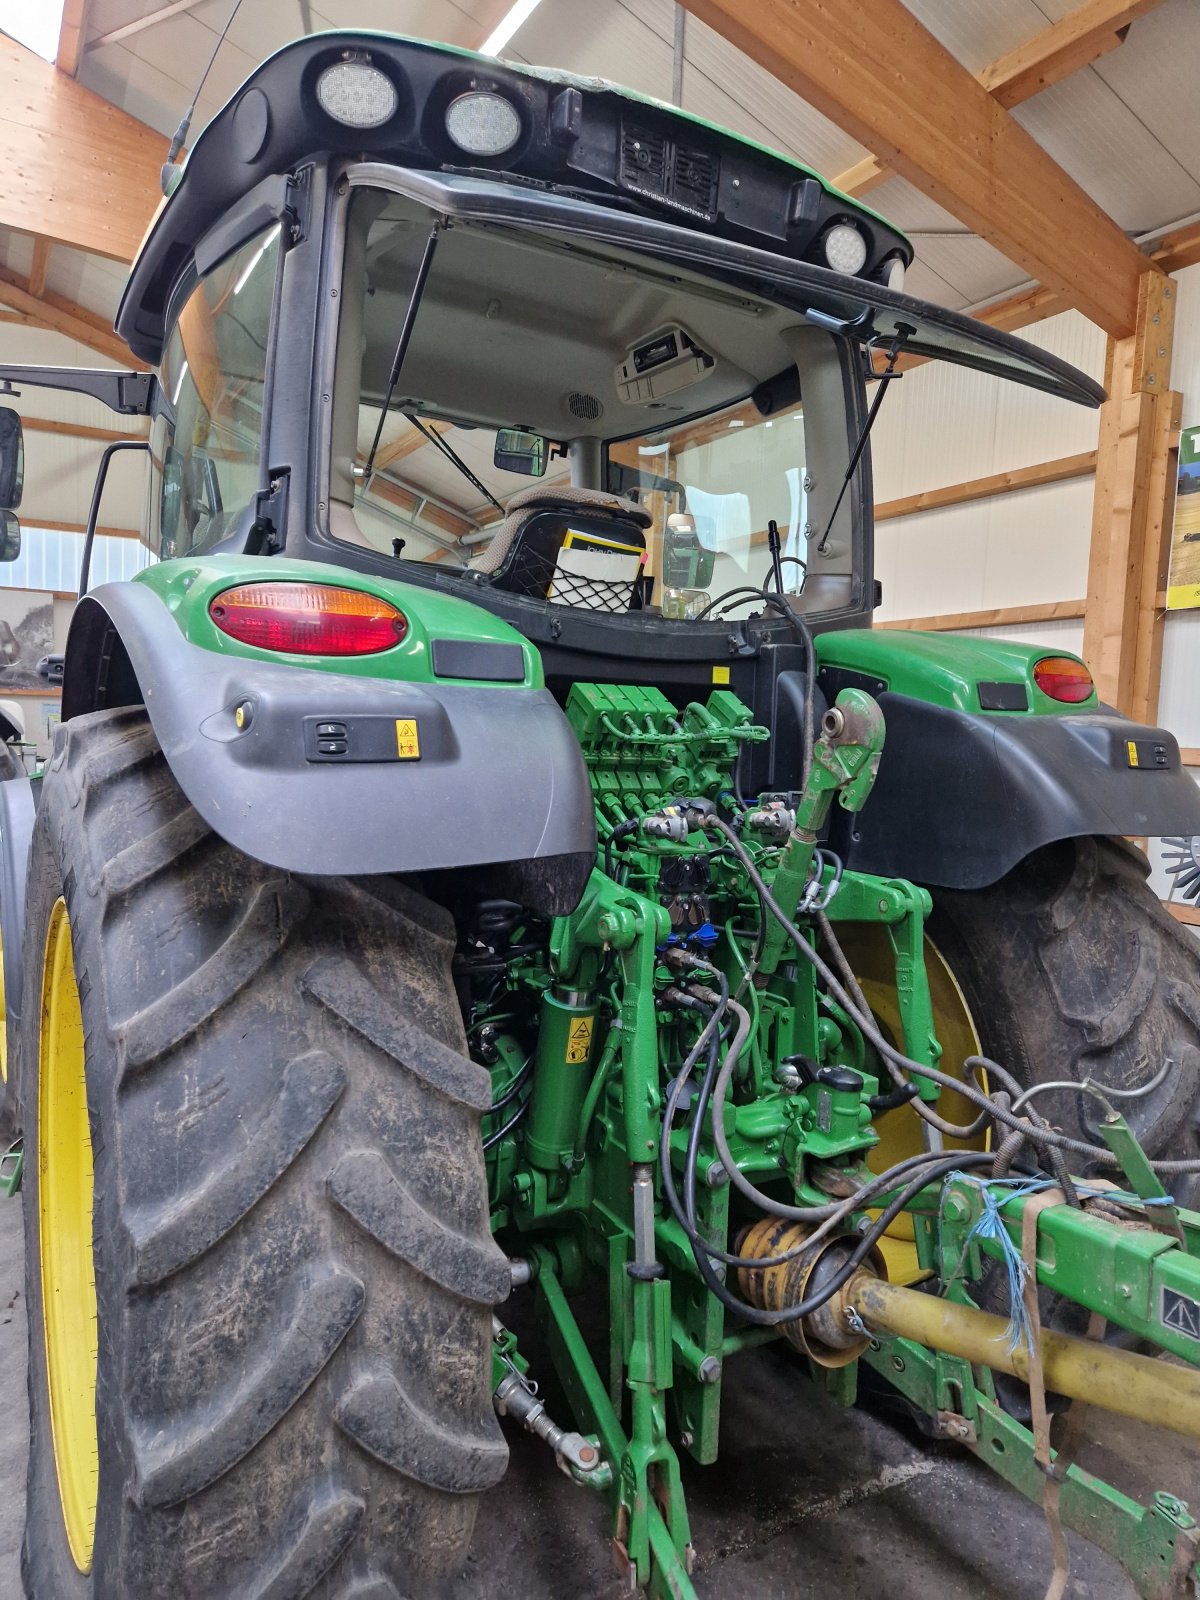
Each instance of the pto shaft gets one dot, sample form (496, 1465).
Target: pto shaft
(1116, 1380)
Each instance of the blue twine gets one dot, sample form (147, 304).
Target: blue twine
(990, 1225)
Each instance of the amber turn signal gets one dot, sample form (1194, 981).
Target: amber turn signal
(1063, 678)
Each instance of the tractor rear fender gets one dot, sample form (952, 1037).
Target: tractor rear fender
(497, 780)
(962, 796)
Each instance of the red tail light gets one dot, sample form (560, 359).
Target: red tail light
(309, 619)
(1063, 678)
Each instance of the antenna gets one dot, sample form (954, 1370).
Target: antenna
(167, 176)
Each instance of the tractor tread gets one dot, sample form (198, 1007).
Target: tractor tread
(1072, 968)
(369, 1192)
(273, 914)
(176, 1463)
(172, 1236)
(343, 990)
(137, 864)
(386, 1422)
(291, 1207)
(326, 1526)
(370, 1587)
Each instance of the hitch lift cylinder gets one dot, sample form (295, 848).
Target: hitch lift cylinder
(561, 1074)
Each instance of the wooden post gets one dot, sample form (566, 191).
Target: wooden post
(1135, 485)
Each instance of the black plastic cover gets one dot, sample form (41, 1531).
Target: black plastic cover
(961, 798)
(499, 776)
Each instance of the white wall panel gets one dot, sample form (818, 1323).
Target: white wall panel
(1046, 635)
(1020, 548)
(1179, 697)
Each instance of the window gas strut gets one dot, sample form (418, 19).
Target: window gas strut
(410, 317)
(901, 336)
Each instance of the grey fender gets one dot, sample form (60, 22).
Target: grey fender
(961, 796)
(500, 782)
(17, 811)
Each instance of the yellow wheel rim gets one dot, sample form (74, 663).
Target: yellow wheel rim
(65, 1230)
(869, 952)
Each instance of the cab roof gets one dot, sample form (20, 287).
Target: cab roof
(577, 136)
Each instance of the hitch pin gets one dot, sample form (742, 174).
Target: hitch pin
(516, 1396)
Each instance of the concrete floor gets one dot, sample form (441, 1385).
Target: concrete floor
(807, 1500)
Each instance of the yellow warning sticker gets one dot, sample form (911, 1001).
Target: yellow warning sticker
(1132, 749)
(720, 675)
(408, 742)
(579, 1041)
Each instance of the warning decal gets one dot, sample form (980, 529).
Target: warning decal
(1131, 748)
(408, 743)
(1181, 1313)
(579, 1041)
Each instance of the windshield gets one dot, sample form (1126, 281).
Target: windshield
(574, 423)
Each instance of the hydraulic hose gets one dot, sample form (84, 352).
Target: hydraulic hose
(1040, 1134)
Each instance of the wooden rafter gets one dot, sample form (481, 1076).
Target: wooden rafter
(77, 430)
(70, 37)
(996, 483)
(942, 131)
(1053, 53)
(60, 315)
(997, 617)
(41, 263)
(1178, 249)
(76, 170)
(1123, 625)
(1066, 46)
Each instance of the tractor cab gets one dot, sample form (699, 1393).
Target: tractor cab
(505, 274)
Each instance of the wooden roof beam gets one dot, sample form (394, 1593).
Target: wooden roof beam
(63, 316)
(65, 150)
(70, 37)
(877, 72)
(1067, 46)
(1053, 53)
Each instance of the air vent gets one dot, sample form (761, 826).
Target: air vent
(584, 406)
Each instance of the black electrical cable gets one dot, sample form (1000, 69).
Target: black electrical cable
(803, 633)
(829, 1215)
(1039, 1134)
(514, 1088)
(508, 1127)
(867, 1242)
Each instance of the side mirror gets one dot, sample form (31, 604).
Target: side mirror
(12, 461)
(10, 536)
(517, 451)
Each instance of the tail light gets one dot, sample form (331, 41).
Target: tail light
(309, 619)
(1063, 678)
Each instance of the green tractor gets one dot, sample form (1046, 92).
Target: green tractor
(456, 901)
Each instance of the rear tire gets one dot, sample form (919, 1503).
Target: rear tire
(293, 1264)
(1072, 968)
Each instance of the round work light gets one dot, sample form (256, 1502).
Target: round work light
(845, 248)
(483, 123)
(357, 94)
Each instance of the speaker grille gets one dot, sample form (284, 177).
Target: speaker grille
(584, 406)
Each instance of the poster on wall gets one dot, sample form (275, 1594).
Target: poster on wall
(26, 635)
(1183, 579)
